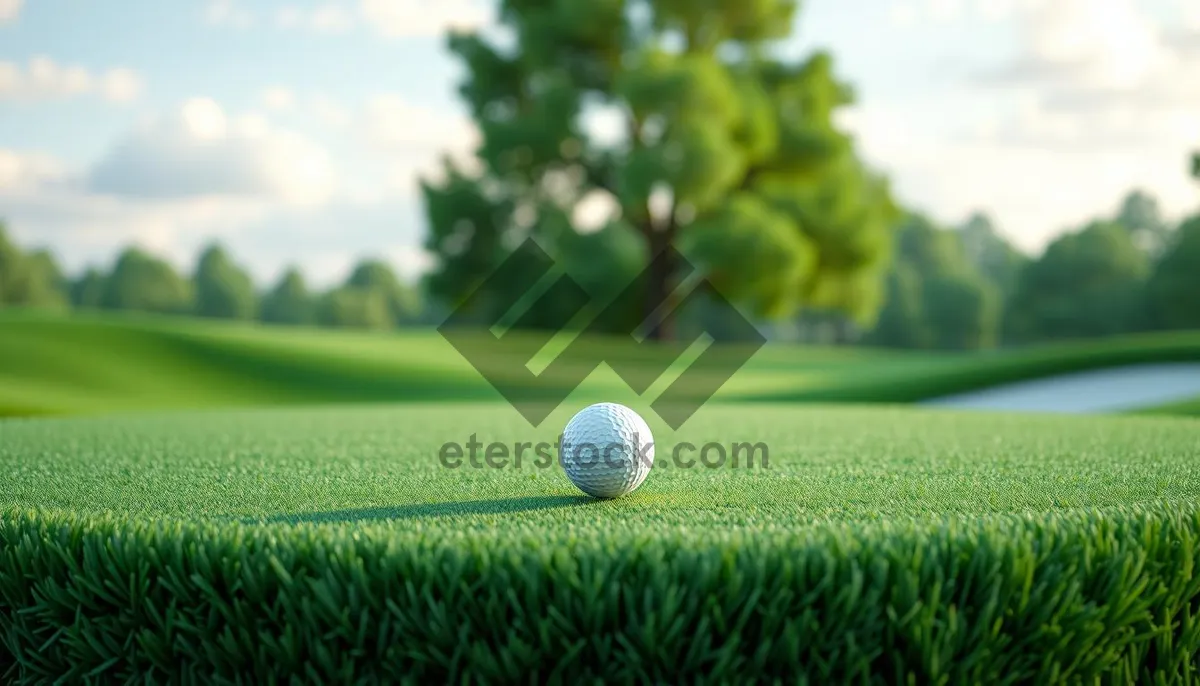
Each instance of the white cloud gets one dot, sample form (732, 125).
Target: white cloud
(390, 18)
(329, 111)
(44, 79)
(201, 151)
(327, 18)
(392, 121)
(995, 10)
(229, 13)
(46, 204)
(20, 171)
(944, 10)
(1035, 191)
(405, 18)
(331, 19)
(1098, 101)
(9, 11)
(1097, 73)
(122, 85)
(1189, 12)
(414, 138)
(278, 98)
(902, 14)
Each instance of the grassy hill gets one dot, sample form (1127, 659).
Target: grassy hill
(101, 364)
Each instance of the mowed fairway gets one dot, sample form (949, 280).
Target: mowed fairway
(878, 544)
(93, 364)
(382, 463)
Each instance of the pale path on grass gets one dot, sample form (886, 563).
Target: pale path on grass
(1099, 390)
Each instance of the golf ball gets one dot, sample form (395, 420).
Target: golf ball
(607, 450)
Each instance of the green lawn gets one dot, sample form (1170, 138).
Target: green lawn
(195, 501)
(1185, 408)
(330, 463)
(99, 364)
(878, 544)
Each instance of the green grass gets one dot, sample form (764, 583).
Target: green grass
(879, 544)
(93, 364)
(1184, 408)
(245, 504)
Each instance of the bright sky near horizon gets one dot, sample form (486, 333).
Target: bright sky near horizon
(294, 132)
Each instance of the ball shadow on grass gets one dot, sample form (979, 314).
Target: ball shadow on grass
(495, 506)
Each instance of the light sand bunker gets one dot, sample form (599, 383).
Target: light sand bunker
(1099, 390)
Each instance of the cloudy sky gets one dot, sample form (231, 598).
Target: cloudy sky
(294, 132)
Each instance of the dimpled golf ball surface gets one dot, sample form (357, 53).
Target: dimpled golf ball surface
(601, 450)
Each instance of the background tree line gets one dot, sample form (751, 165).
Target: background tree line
(963, 287)
(967, 287)
(372, 297)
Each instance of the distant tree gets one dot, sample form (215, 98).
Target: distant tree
(962, 311)
(935, 297)
(374, 275)
(356, 308)
(29, 280)
(901, 323)
(289, 302)
(1139, 213)
(223, 289)
(1087, 283)
(1173, 292)
(14, 271)
(995, 258)
(47, 286)
(1196, 165)
(87, 291)
(721, 136)
(141, 282)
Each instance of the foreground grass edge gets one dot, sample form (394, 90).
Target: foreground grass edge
(1073, 596)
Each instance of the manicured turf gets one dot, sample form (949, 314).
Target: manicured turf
(330, 463)
(103, 363)
(1185, 408)
(878, 544)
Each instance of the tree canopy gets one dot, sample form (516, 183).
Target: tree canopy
(223, 289)
(374, 275)
(29, 279)
(1173, 292)
(1087, 283)
(936, 297)
(143, 283)
(289, 302)
(714, 145)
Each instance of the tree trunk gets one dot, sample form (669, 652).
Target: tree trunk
(660, 286)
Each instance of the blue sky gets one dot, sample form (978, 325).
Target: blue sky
(317, 117)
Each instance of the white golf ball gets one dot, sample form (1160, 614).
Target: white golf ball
(607, 450)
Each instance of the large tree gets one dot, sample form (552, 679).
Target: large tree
(714, 144)
(223, 289)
